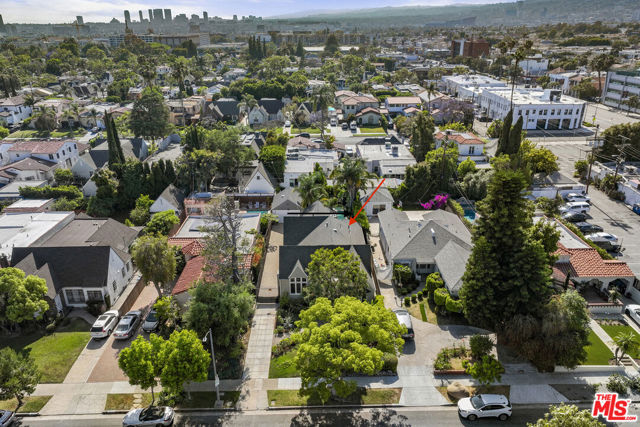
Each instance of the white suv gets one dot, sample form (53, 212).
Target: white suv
(483, 406)
(105, 324)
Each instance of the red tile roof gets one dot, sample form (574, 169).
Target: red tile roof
(368, 110)
(39, 147)
(586, 262)
(192, 273)
(460, 138)
(189, 245)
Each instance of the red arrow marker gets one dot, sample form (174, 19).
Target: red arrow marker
(353, 220)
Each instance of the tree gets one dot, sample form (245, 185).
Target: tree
(486, 370)
(195, 169)
(300, 49)
(155, 260)
(184, 360)
(495, 129)
(538, 159)
(116, 155)
(507, 273)
(585, 89)
(193, 138)
(161, 223)
(45, 120)
(63, 176)
(167, 312)
(515, 138)
(567, 415)
(344, 337)
(334, 273)
(625, 343)
(602, 63)
(465, 167)
(480, 345)
(19, 375)
(4, 132)
(273, 158)
(422, 141)
(322, 97)
(312, 187)
(149, 116)
(353, 175)
(103, 203)
(225, 143)
(141, 363)
(140, 215)
(503, 140)
(331, 45)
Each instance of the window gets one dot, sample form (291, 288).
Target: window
(74, 296)
(472, 149)
(553, 111)
(114, 286)
(51, 156)
(58, 155)
(94, 296)
(63, 152)
(296, 284)
(544, 112)
(122, 272)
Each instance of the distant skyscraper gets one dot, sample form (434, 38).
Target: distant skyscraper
(1, 21)
(235, 17)
(157, 15)
(205, 16)
(141, 18)
(150, 15)
(79, 20)
(127, 17)
(167, 15)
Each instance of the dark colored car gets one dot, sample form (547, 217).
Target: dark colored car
(304, 135)
(345, 126)
(574, 217)
(128, 325)
(586, 228)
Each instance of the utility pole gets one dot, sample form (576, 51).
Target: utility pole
(592, 158)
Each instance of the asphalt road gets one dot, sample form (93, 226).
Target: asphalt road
(436, 416)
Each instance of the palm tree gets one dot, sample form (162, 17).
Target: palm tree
(247, 103)
(632, 103)
(353, 175)
(94, 116)
(311, 187)
(602, 63)
(322, 98)
(431, 90)
(45, 120)
(626, 342)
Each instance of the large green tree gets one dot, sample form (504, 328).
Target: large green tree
(149, 115)
(312, 187)
(335, 273)
(19, 375)
(161, 223)
(352, 174)
(273, 158)
(507, 273)
(346, 337)
(422, 141)
(140, 362)
(184, 360)
(567, 416)
(103, 203)
(155, 259)
(21, 297)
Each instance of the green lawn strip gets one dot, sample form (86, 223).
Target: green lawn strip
(597, 351)
(207, 399)
(283, 366)
(371, 129)
(30, 404)
(309, 130)
(54, 354)
(124, 401)
(614, 330)
(363, 396)
(423, 313)
(504, 390)
(369, 134)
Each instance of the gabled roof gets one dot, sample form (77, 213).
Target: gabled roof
(368, 110)
(381, 196)
(271, 105)
(173, 195)
(30, 163)
(13, 101)
(290, 256)
(321, 230)
(227, 106)
(190, 245)
(287, 199)
(318, 207)
(191, 273)
(39, 146)
(244, 178)
(452, 262)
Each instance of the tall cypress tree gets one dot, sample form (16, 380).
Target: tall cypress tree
(170, 173)
(116, 142)
(515, 138)
(503, 141)
(264, 48)
(113, 152)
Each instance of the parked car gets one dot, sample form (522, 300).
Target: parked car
(318, 141)
(585, 227)
(333, 122)
(128, 325)
(151, 322)
(287, 123)
(633, 311)
(606, 241)
(6, 418)
(574, 216)
(485, 406)
(105, 324)
(95, 129)
(304, 135)
(151, 416)
(582, 207)
(345, 126)
(577, 197)
(636, 208)
(405, 319)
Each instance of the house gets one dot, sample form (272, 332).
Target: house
(397, 104)
(100, 246)
(555, 184)
(417, 238)
(303, 143)
(13, 110)
(381, 200)
(11, 191)
(172, 198)
(256, 186)
(357, 103)
(183, 111)
(190, 275)
(29, 206)
(254, 140)
(227, 108)
(286, 202)
(386, 157)
(303, 235)
(28, 169)
(57, 105)
(369, 116)
(469, 145)
(273, 107)
(23, 227)
(301, 162)
(257, 116)
(94, 159)
(61, 151)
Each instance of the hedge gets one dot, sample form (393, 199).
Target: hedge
(390, 361)
(49, 192)
(453, 305)
(440, 296)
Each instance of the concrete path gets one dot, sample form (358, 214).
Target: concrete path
(268, 289)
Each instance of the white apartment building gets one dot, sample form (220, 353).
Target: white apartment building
(534, 66)
(620, 86)
(542, 109)
(469, 86)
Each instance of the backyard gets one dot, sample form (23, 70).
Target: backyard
(54, 354)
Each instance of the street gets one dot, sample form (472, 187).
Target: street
(426, 416)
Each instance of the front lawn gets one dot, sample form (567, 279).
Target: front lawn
(363, 396)
(124, 401)
(614, 330)
(489, 389)
(425, 311)
(597, 351)
(33, 133)
(371, 129)
(283, 366)
(30, 404)
(309, 130)
(55, 353)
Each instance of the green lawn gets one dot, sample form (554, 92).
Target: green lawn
(597, 352)
(371, 129)
(54, 354)
(283, 366)
(363, 396)
(30, 404)
(124, 401)
(504, 390)
(614, 330)
(309, 130)
(424, 310)
(58, 133)
(199, 399)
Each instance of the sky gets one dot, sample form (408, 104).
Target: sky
(65, 11)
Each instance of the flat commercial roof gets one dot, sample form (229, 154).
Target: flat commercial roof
(22, 229)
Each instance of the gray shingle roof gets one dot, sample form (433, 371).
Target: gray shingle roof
(321, 231)
(173, 195)
(245, 178)
(290, 255)
(381, 196)
(287, 199)
(452, 262)
(318, 207)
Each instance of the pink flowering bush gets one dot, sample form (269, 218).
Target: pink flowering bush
(438, 202)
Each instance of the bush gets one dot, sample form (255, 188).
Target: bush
(440, 296)
(495, 129)
(442, 362)
(419, 295)
(402, 273)
(414, 298)
(280, 330)
(634, 384)
(48, 192)
(434, 281)
(453, 305)
(95, 308)
(581, 167)
(390, 362)
(407, 301)
(51, 327)
(617, 384)
(403, 291)
(480, 345)
(282, 347)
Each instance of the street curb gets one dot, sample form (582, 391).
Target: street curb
(124, 411)
(27, 414)
(280, 408)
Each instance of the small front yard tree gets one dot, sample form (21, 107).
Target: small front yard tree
(402, 273)
(184, 360)
(485, 370)
(333, 273)
(19, 375)
(626, 342)
(155, 259)
(21, 297)
(346, 337)
(140, 362)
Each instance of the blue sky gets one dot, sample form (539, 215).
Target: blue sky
(59, 11)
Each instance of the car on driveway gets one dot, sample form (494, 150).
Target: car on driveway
(151, 322)
(574, 217)
(128, 325)
(6, 418)
(345, 126)
(152, 416)
(586, 228)
(485, 406)
(104, 324)
(633, 311)
(405, 319)
(577, 197)
(606, 241)
(582, 207)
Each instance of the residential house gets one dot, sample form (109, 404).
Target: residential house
(97, 157)
(100, 246)
(386, 157)
(11, 191)
(303, 235)
(469, 145)
(61, 151)
(369, 116)
(273, 107)
(184, 111)
(13, 110)
(417, 239)
(256, 186)
(286, 202)
(57, 105)
(254, 140)
(357, 103)
(380, 200)
(29, 206)
(171, 198)
(227, 108)
(554, 185)
(300, 161)
(28, 169)
(397, 104)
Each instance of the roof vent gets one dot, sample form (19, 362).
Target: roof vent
(335, 230)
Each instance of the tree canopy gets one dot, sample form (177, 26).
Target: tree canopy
(149, 116)
(21, 296)
(333, 273)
